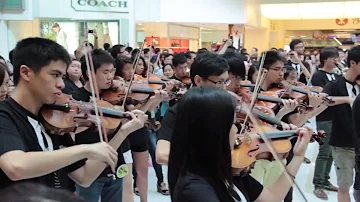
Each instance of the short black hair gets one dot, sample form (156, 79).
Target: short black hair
(340, 49)
(106, 46)
(188, 54)
(295, 42)
(37, 53)
(353, 55)
(288, 69)
(157, 50)
(115, 50)
(201, 50)
(120, 61)
(99, 57)
(271, 58)
(179, 59)
(208, 64)
(146, 50)
(128, 49)
(31, 192)
(2, 58)
(236, 63)
(326, 53)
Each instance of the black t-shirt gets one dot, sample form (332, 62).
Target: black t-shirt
(194, 188)
(70, 85)
(342, 123)
(91, 135)
(356, 121)
(18, 133)
(297, 67)
(321, 78)
(167, 123)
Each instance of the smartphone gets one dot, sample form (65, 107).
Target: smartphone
(91, 31)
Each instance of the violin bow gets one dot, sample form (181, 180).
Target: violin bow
(135, 63)
(94, 92)
(259, 80)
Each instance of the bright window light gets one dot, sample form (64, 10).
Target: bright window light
(325, 10)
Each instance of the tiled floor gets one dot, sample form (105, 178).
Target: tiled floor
(303, 178)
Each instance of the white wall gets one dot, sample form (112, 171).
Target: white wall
(204, 11)
(191, 11)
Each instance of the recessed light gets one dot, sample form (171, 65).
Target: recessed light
(142, 28)
(140, 24)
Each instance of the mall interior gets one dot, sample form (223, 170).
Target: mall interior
(190, 25)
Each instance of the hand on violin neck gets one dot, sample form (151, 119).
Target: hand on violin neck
(138, 119)
(316, 99)
(286, 126)
(304, 136)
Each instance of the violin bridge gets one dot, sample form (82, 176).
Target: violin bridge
(247, 138)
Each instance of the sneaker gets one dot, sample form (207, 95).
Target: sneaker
(331, 187)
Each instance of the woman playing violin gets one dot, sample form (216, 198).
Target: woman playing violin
(200, 156)
(138, 140)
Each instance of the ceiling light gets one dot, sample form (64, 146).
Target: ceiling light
(201, 28)
(140, 24)
(303, 36)
(142, 28)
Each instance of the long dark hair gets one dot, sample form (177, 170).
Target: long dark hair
(200, 139)
(3, 71)
(144, 73)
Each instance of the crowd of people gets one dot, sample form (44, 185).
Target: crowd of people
(193, 133)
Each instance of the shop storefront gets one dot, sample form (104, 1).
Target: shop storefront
(179, 38)
(112, 19)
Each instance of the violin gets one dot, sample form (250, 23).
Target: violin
(267, 99)
(154, 82)
(250, 147)
(285, 89)
(67, 114)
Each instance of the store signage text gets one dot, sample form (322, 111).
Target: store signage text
(356, 21)
(101, 5)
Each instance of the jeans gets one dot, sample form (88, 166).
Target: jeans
(110, 190)
(324, 159)
(157, 167)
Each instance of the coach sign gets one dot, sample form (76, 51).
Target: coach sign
(101, 5)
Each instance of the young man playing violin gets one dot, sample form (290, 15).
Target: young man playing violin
(27, 151)
(107, 186)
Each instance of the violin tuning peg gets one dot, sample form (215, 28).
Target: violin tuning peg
(238, 142)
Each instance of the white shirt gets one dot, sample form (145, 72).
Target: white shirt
(349, 88)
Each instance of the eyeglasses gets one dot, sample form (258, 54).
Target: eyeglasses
(220, 83)
(283, 70)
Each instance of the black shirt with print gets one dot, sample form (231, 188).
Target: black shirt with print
(91, 135)
(342, 134)
(321, 78)
(17, 133)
